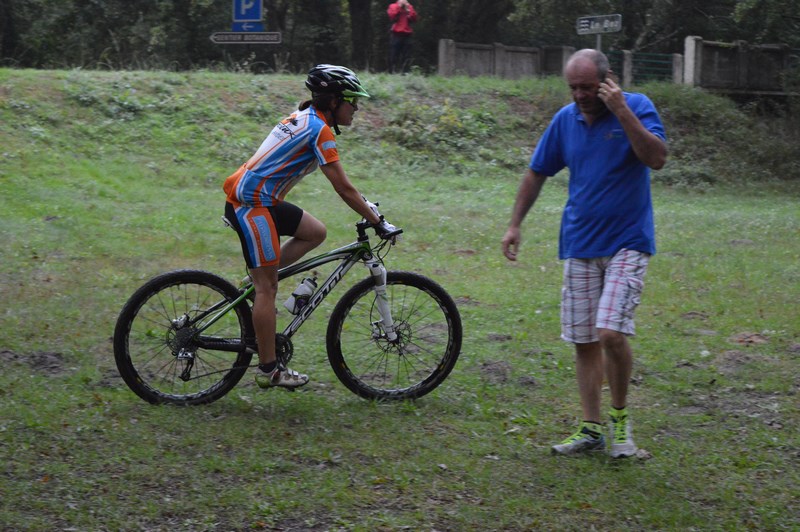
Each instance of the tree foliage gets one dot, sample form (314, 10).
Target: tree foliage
(773, 20)
(175, 34)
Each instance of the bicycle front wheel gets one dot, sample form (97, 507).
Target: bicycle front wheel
(428, 326)
(173, 342)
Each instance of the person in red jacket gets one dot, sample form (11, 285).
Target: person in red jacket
(402, 15)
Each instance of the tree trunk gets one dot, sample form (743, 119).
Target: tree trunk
(360, 33)
(8, 35)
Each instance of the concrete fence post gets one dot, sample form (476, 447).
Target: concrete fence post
(677, 68)
(692, 60)
(447, 57)
(499, 59)
(742, 64)
(627, 68)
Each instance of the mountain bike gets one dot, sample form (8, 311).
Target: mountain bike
(186, 337)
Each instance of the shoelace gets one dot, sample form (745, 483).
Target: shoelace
(620, 428)
(577, 436)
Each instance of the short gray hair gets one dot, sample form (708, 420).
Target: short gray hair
(595, 56)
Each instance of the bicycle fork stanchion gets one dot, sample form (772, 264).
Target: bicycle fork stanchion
(382, 300)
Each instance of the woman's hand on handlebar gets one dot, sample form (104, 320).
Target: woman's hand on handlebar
(387, 231)
(383, 229)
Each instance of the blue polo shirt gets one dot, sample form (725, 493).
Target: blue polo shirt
(609, 207)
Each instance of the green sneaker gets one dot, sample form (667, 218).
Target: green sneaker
(589, 438)
(622, 444)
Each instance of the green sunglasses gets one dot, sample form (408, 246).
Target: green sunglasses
(352, 100)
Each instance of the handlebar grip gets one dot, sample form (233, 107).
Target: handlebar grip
(386, 230)
(393, 234)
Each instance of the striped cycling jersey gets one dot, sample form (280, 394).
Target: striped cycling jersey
(293, 149)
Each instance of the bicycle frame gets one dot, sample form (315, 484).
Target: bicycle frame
(350, 255)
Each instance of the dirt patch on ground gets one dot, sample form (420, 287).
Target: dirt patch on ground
(770, 408)
(749, 338)
(42, 362)
(744, 367)
(734, 405)
(731, 362)
(495, 372)
(466, 301)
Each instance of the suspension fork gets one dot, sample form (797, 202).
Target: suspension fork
(378, 272)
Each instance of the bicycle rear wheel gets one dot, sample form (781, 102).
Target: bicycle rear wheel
(429, 338)
(160, 350)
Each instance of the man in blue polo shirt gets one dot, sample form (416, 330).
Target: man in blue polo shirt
(609, 140)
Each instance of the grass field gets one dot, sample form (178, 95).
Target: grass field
(110, 178)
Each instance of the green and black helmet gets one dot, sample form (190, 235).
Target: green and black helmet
(335, 79)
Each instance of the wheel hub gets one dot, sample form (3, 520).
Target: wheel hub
(180, 338)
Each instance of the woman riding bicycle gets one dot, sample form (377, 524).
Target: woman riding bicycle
(256, 208)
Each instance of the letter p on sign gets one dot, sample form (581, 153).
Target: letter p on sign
(247, 11)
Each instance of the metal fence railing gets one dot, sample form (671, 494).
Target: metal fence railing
(652, 67)
(615, 58)
(646, 66)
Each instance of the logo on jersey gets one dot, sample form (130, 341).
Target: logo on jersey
(282, 130)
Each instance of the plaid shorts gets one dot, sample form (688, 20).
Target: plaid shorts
(601, 293)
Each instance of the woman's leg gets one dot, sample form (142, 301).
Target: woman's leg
(309, 234)
(265, 280)
(270, 372)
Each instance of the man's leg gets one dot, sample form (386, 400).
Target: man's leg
(619, 365)
(621, 295)
(589, 371)
(622, 289)
(579, 296)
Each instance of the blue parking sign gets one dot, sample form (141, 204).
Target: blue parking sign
(247, 11)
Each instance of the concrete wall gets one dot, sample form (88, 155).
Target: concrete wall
(515, 62)
(725, 67)
(735, 67)
(510, 62)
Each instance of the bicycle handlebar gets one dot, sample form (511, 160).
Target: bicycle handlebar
(383, 229)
